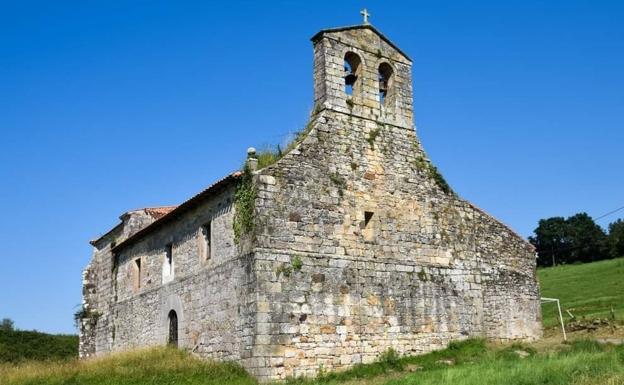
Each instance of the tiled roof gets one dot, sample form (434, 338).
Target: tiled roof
(175, 212)
(158, 212)
(154, 212)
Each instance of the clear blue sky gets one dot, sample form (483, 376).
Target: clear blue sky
(107, 106)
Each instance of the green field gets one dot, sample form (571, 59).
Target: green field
(587, 290)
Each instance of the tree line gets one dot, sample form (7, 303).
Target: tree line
(576, 239)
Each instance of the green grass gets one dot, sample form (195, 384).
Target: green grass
(21, 345)
(470, 362)
(473, 363)
(587, 290)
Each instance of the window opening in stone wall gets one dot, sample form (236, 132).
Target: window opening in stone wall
(385, 78)
(368, 226)
(173, 328)
(352, 73)
(206, 237)
(137, 273)
(169, 259)
(368, 216)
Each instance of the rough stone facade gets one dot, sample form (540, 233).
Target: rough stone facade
(358, 245)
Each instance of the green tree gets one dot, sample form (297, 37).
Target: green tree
(616, 239)
(550, 241)
(7, 325)
(574, 239)
(588, 241)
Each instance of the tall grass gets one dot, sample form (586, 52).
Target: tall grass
(152, 366)
(470, 362)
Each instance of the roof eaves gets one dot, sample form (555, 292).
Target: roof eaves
(93, 242)
(182, 208)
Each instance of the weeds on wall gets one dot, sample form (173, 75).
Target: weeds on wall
(284, 269)
(432, 171)
(339, 182)
(287, 269)
(85, 314)
(271, 154)
(297, 263)
(244, 204)
(372, 136)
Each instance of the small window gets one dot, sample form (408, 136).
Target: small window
(169, 259)
(352, 73)
(385, 82)
(368, 226)
(137, 273)
(206, 241)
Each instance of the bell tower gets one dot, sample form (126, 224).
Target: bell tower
(359, 71)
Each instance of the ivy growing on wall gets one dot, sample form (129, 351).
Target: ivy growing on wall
(244, 204)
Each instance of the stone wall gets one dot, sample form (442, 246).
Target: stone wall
(427, 268)
(211, 296)
(97, 289)
(360, 246)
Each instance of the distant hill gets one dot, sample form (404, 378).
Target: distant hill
(22, 345)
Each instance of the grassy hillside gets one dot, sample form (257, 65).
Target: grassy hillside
(466, 363)
(20, 345)
(588, 290)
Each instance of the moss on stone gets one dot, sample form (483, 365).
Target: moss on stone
(339, 182)
(372, 136)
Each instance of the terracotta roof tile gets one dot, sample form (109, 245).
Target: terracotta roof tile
(158, 212)
(176, 211)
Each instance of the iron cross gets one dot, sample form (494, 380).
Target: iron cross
(365, 13)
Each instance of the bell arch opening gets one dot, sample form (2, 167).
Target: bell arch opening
(385, 74)
(352, 68)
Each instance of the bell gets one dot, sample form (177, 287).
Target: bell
(383, 85)
(350, 79)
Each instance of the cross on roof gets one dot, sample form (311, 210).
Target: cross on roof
(365, 13)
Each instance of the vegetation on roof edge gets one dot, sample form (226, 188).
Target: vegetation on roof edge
(269, 155)
(432, 172)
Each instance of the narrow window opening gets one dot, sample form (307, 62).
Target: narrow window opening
(385, 82)
(206, 236)
(137, 273)
(352, 72)
(173, 328)
(368, 216)
(169, 259)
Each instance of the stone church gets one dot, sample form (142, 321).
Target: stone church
(350, 244)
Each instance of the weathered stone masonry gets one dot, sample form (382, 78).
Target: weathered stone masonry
(357, 247)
